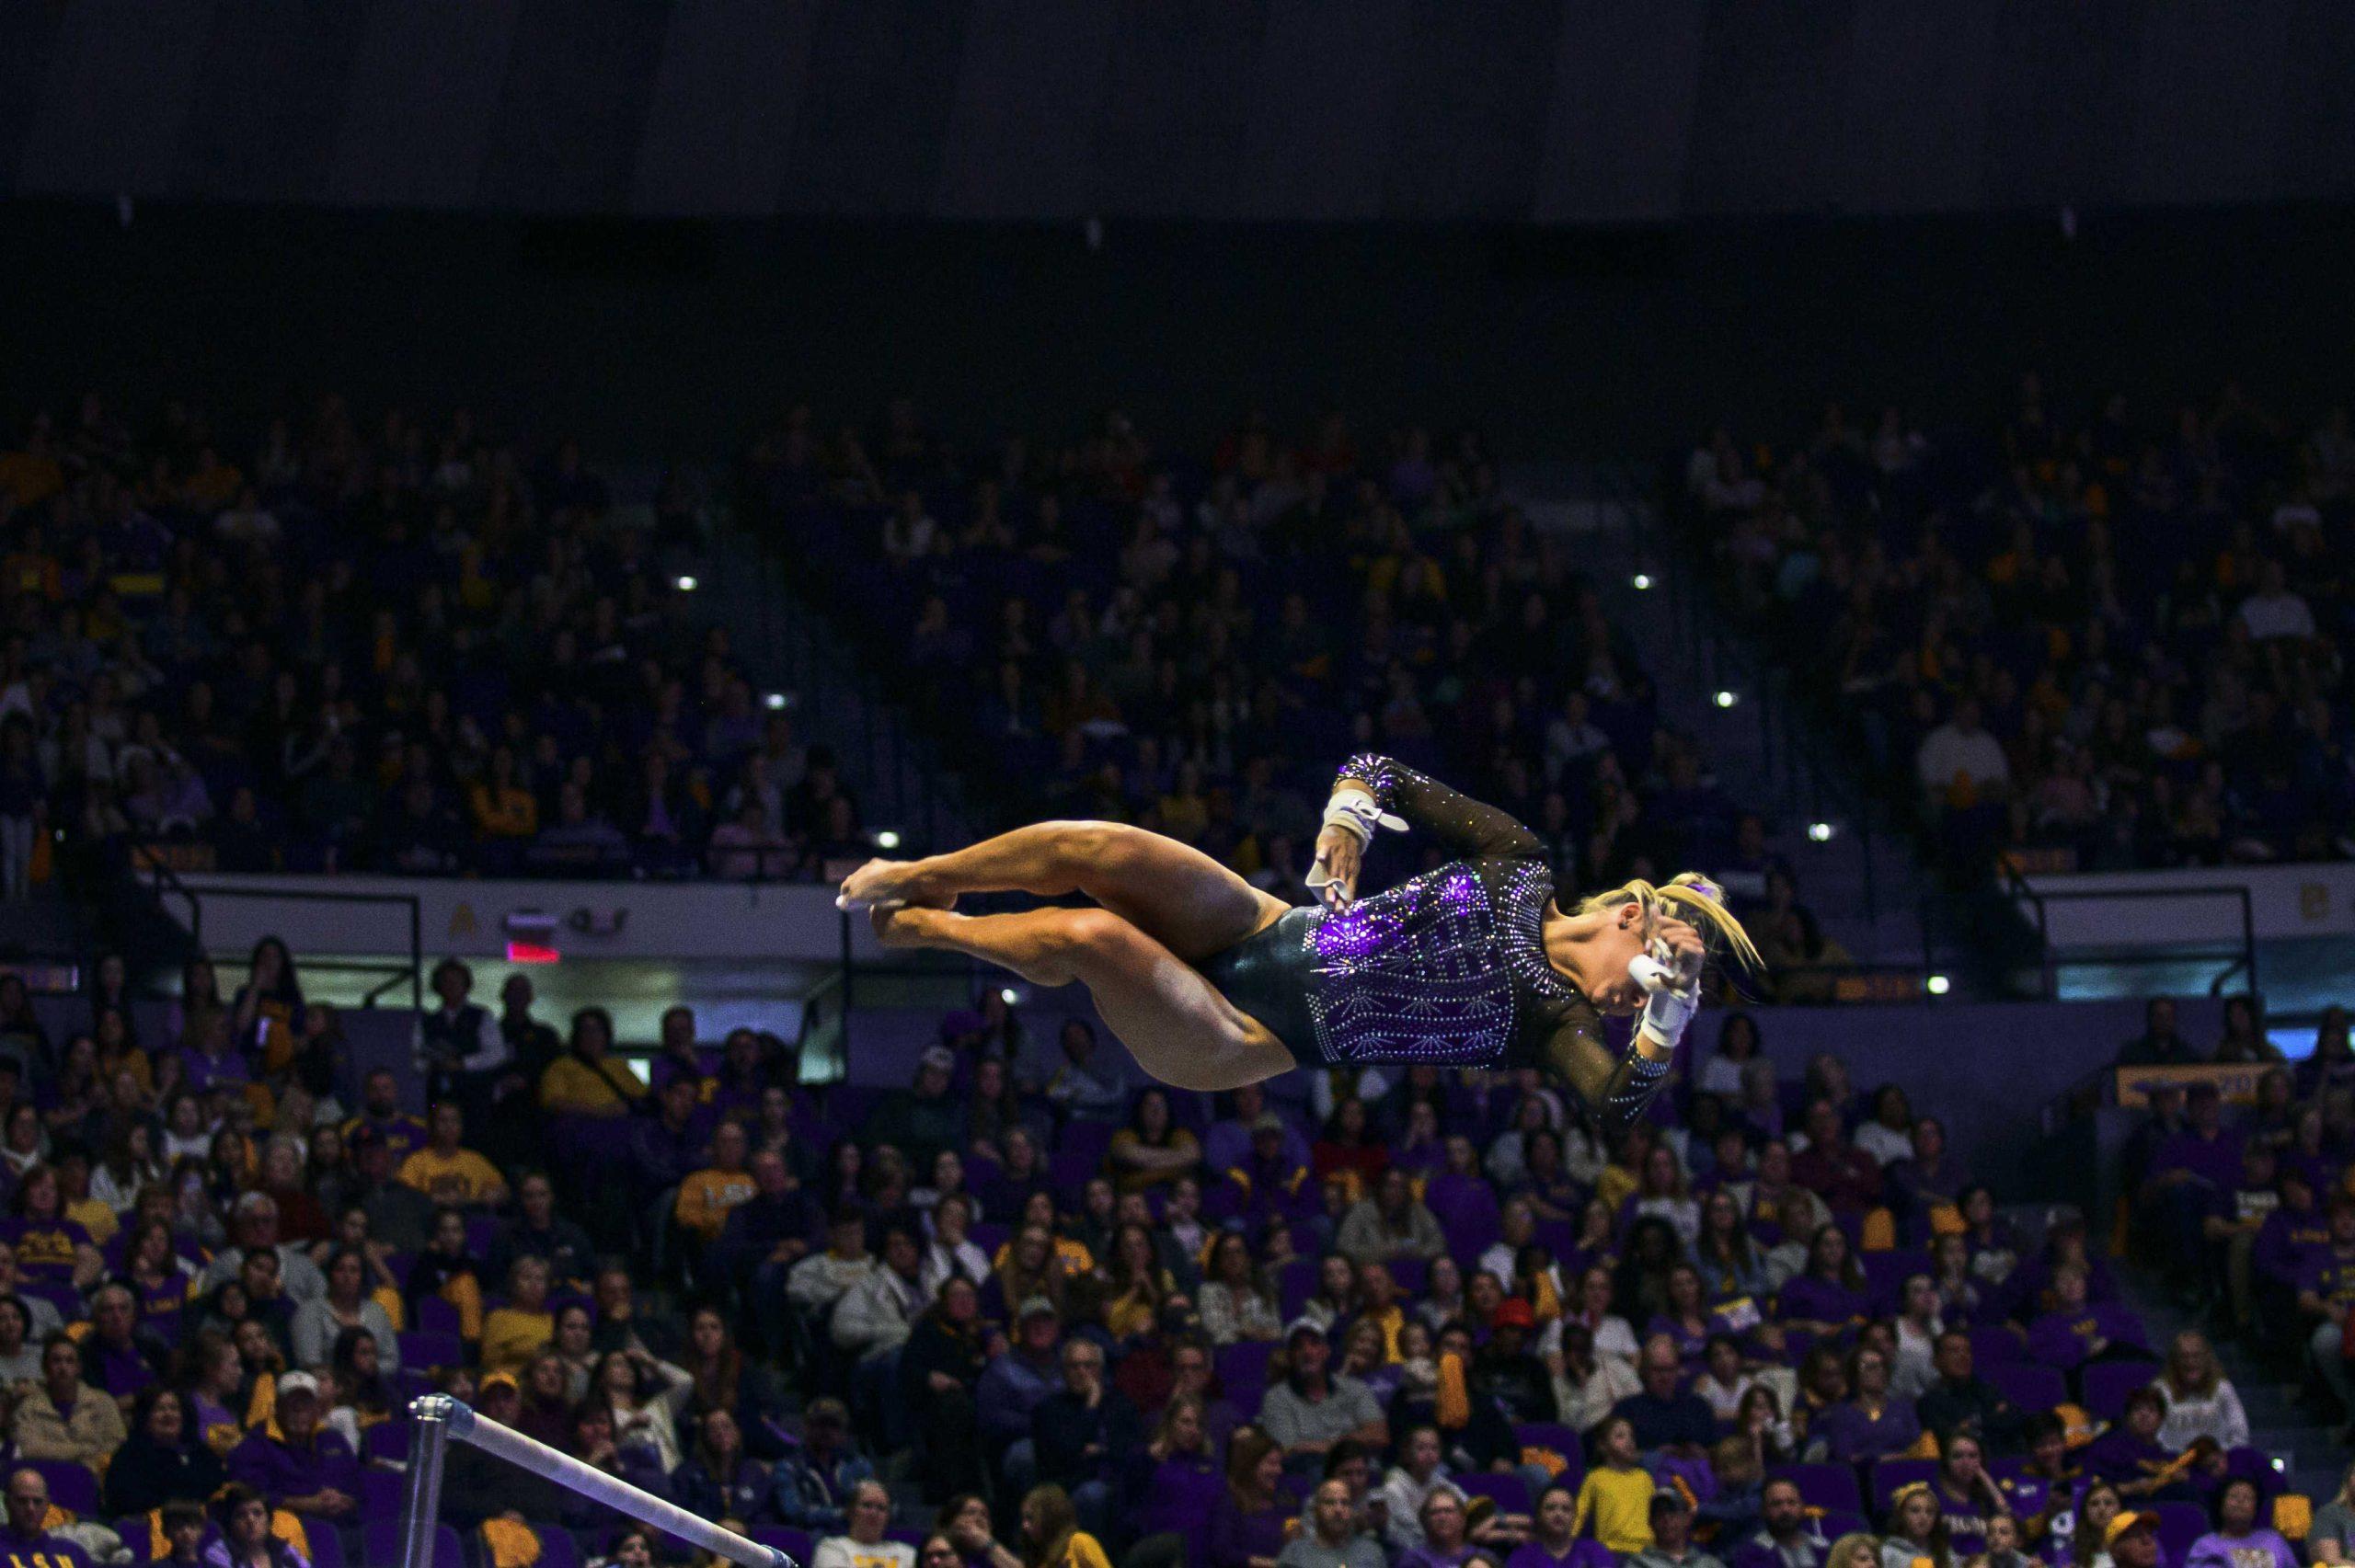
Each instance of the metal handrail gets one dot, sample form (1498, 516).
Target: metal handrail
(2244, 960)
(167, 879)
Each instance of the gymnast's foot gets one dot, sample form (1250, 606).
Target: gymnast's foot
(906, 925)
(890, 885)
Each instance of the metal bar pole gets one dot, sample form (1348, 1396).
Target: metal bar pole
(846, 995)
(2249, 937)
(597, 1486)
(422, 1509)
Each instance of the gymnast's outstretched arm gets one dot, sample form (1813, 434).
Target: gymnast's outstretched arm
(1465, 827)
(1377, 790)
(1617, 1088)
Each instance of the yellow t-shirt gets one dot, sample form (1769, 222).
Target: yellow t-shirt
(572, 1087)
(99, 1219)
(1619, 1505)
(1086, 1552)
(510, 1336)
(705, 1196)
(463, 1177)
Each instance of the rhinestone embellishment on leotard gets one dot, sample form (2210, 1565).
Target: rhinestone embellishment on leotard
(1520, 931)
(1413, 974)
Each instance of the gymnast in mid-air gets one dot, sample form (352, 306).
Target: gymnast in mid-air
(1211, 983)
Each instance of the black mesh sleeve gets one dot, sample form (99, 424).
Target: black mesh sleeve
(1468, 829)
(1617, 1088)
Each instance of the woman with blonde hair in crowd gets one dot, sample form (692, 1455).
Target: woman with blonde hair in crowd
(1855, 1550)
(1051, 1534)
(1917, 1529)
(2201, 1400)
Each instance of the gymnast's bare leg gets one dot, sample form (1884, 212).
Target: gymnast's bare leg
(1173, 1021)
(1176, 894)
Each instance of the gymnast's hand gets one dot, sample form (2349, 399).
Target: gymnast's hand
(1686, 951)
(1339, 855)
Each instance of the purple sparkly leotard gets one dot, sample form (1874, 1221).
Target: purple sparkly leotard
(1448, 969)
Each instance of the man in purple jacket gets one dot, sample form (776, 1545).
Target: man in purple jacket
(300, 1467)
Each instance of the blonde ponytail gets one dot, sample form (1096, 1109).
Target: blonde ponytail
(1690, 897)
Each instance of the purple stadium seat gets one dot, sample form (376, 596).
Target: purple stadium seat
(1243, 1372)
(1828, 1487)
(1890, 1474)
(422, 1348)
(1510, 1491)
(1409, 1275)
(1089, 1141)
(1885, 1276)
(912, 1539)
(70, 1485)
(436, 1316)
(558, 1550)
(2106, 1384)
(385, 1443)
(990, 1236)
(795, 1544)
(2034, 1389)
(327, 1545)
(1070, 1172)
(2255, 1464)
(2181, 1524)
(1555, 1438)
(380, 1544)
(380, 1493)
(1294, 1286)
(1994, 1347)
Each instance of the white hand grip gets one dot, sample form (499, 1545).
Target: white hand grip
(1666, 1009)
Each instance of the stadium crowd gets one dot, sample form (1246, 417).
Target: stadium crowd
(2078, 636)
(387, 647)
(1188, 641)
(1027, 1311)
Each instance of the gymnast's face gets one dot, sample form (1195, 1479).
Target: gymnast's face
(1618, 944)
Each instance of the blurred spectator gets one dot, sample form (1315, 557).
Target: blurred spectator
(1332, 1539)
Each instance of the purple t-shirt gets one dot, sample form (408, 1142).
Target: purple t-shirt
(2065, 1339)
(278, 1469)
(2216, 1161)
(1583, 1554)
(1811, 1300)
(1851, 1433)
(41, 1552)
(2258, 1548)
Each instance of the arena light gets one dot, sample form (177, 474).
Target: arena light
(684, 584)
(532, 953)
(775, 701)
(886, 838)
(1643, 581)
(1008, 995)
(1938, 985)
(1726, 699)
(1821, 833)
